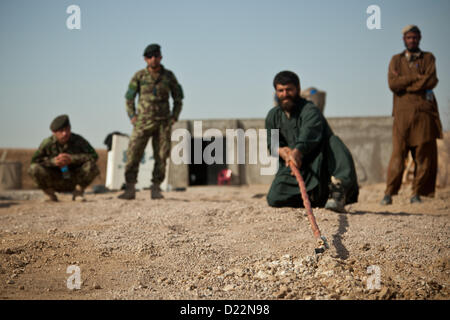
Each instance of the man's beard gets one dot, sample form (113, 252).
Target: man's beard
(415, 49)
(288, 103)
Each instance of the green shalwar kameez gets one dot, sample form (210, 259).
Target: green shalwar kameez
(324, 155)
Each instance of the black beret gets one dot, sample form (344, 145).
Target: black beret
(60, 122)
(152, 49)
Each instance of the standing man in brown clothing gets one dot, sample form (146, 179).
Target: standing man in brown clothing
(412, 77)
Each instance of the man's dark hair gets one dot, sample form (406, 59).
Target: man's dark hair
(286, 77)
(412, 28)
(416, 30)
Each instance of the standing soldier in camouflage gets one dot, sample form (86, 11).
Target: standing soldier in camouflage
(152, 119)
(64, 162)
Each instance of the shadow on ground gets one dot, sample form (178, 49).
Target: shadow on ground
(7, 204)
(385, 213)
(341, 250)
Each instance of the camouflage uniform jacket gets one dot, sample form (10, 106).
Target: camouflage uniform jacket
(154, 96)
(79, 149)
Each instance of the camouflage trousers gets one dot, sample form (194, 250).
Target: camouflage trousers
(46, 177)
(159, 131)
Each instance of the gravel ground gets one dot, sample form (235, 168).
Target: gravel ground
(223, 243)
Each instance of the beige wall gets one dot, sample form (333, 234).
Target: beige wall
(368, 138)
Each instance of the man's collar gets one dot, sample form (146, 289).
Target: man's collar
(412, 56)
(161, 70)
(54, 140)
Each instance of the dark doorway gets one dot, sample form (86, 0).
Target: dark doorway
(204, 174)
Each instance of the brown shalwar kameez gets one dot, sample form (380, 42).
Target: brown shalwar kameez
(416, 121)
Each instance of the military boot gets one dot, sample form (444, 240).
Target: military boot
(387, 200)
(78, 192)
(130, 192)
(336, 200)
(155, 192)
(415, 199)
(50, 195)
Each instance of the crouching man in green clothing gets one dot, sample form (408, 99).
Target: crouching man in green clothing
(307, 140)
(64, 162)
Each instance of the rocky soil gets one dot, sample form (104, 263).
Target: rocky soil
(223, 243)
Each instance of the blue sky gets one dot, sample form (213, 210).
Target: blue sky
(224, 53)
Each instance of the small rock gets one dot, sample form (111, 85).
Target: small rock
(285, 289)
(435, 286)
(272, 278)
(228, 287)
(291, 295)
(261, 275)
(365, 247)
(385, 294)
(398, 278)
(230, 273)
(243, 272)
(21, 288)
(328, 273)
(18, 270)
(191, 287)
(52, 231)
(161, 280)
(97, 286)
(10, 282)
(286, 280)
(219, 270)
(298, 263)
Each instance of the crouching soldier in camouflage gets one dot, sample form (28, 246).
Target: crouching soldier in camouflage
(64, 162)
(153, 119)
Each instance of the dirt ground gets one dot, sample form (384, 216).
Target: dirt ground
(223, 243)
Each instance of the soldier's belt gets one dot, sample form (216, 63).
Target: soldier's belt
(160, 118)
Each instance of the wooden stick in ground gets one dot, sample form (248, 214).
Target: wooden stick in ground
(307, 204)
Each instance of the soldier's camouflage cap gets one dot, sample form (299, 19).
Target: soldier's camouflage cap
(152, 49)
(60, 122)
